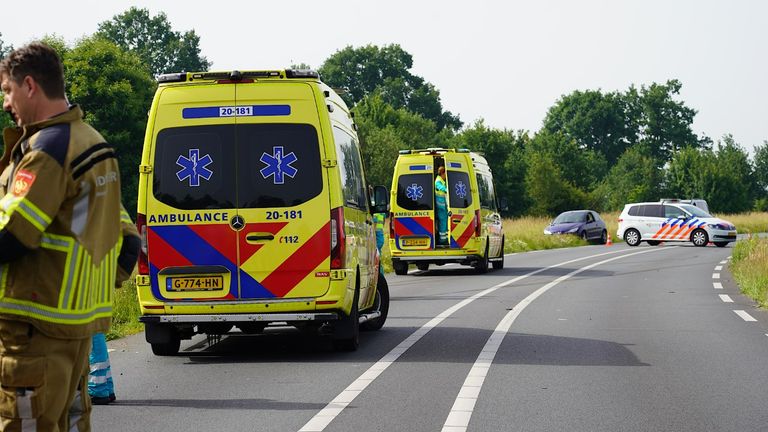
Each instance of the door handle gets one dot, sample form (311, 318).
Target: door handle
(252, 238)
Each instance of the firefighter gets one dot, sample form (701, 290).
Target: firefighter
(59, 245)
(441, 212)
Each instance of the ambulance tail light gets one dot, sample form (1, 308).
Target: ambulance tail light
(338, 239)
(141, 225)
(391, 225)
(478, 223)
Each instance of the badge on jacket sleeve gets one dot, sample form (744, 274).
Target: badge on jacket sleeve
(22, 182)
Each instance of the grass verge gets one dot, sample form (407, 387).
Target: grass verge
(125, 315)
(749, 265)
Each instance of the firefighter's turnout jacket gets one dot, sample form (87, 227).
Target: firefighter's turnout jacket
(59, 226)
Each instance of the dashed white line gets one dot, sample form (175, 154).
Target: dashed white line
(715, 275)
(464, 405)
(723, 261)
(726, 298)
(745, 316)
(717, 285)
(322, 419)
(718, 268)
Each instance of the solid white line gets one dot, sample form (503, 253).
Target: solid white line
(726, 298)
(464, 405)
(745, 316)
(717, 285)
(718, 268)
(323, 418)
(715, 275)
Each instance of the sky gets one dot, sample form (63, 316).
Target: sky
(506, 62)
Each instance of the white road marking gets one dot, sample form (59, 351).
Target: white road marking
(726, 298)
(723, 261)
(718, 268)
(745, 316)
(322, 419)
(717, 285)
(715, 275)
(464, 405)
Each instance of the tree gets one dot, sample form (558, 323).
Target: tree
(596, 121)
(155, 42)
(4, 49)
(723, 177)
(583, 168)
(114, 89)
(761, 167)
(664, 123)
(370, 69)
(636, 177)
(505, 152)
(550, 193)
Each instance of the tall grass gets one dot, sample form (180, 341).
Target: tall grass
(749, 266)
(125, 312)
(752, 222)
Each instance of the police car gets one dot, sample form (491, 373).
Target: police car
(655, 222)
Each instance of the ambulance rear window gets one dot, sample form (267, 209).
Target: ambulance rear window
(415, 191)
(228, 166)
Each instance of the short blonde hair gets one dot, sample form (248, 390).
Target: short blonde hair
(441, 170)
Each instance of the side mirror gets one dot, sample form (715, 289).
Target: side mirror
(503, 204)
(380, 200)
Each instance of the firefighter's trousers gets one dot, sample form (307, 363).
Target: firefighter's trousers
(44, 381)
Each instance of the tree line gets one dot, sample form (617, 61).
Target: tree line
(595, 149)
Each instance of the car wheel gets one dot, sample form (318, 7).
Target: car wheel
(584, 236)
(699, 238)
(401, 267)
(721, 244)
(498, 265)
(604, 237)
(632, 237)
(481, 266)
(346, 336)
(654, 242)
(381, 304)
(169, 348)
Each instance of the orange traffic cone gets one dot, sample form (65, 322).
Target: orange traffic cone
(609, 243)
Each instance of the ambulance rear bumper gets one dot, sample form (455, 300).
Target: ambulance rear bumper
(266, 317)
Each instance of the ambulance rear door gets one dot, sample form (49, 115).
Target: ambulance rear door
(462, 219)
(192, 251)
(282, 192)
(413, 214)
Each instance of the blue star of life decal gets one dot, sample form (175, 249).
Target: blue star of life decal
(461, 189)
(194, 167)
(278, 165)
(414, 192)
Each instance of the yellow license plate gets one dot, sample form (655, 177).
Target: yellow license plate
(198, 283)
(416, 242)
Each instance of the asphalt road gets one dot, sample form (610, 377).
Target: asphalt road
(583, 339)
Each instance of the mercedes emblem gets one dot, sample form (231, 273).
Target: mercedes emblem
(237, 223)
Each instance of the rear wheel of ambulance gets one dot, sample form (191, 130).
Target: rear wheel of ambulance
(164, 339)
(401, 267)
(346, 333)
(481, 265)
(380, 304)
(499, 264)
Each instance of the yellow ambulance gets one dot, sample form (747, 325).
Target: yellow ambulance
(253, 211)
(473, 230)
